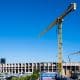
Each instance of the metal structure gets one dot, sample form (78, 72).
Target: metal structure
(74, 53)
(58, 22)
(78, 52)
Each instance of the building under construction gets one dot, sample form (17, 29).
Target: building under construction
(28, 68)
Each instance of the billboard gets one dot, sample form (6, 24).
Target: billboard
(47, 78)
(47, 75)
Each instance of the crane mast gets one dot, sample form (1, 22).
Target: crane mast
(60, 47)
(58, 22)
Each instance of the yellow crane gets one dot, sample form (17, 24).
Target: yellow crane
(58, 22)
(74, 53)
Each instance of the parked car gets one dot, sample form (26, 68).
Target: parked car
(76, 75)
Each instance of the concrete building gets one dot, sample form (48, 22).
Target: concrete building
(28, 68)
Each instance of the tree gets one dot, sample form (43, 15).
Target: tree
(14, 78)
(35, 75)
(27, 77)
(22, 78)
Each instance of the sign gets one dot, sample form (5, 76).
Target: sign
(47, 75)
(47, 78)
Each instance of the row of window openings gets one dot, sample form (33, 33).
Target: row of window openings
(28, 69)
(31, 67)
(16, 67)
(68, 67)
(43, 66)
(72, 67)
(16, 70)
(28, 66)
(23, 71)
(32, 63)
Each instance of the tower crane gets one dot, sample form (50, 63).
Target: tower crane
(58, 22)
(78, 52)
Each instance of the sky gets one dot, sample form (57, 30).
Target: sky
(21, 21)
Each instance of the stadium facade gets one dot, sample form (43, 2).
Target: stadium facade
(28, 68)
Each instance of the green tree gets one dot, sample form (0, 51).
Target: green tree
(14, 78)
(35, 75)
(27, 77)
(22, 78)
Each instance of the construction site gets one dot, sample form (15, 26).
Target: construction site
(18, 69)
(47, 70)
(64, 69)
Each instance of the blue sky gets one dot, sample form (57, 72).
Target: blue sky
(21, 21)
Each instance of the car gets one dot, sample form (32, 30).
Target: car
(78, 74)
